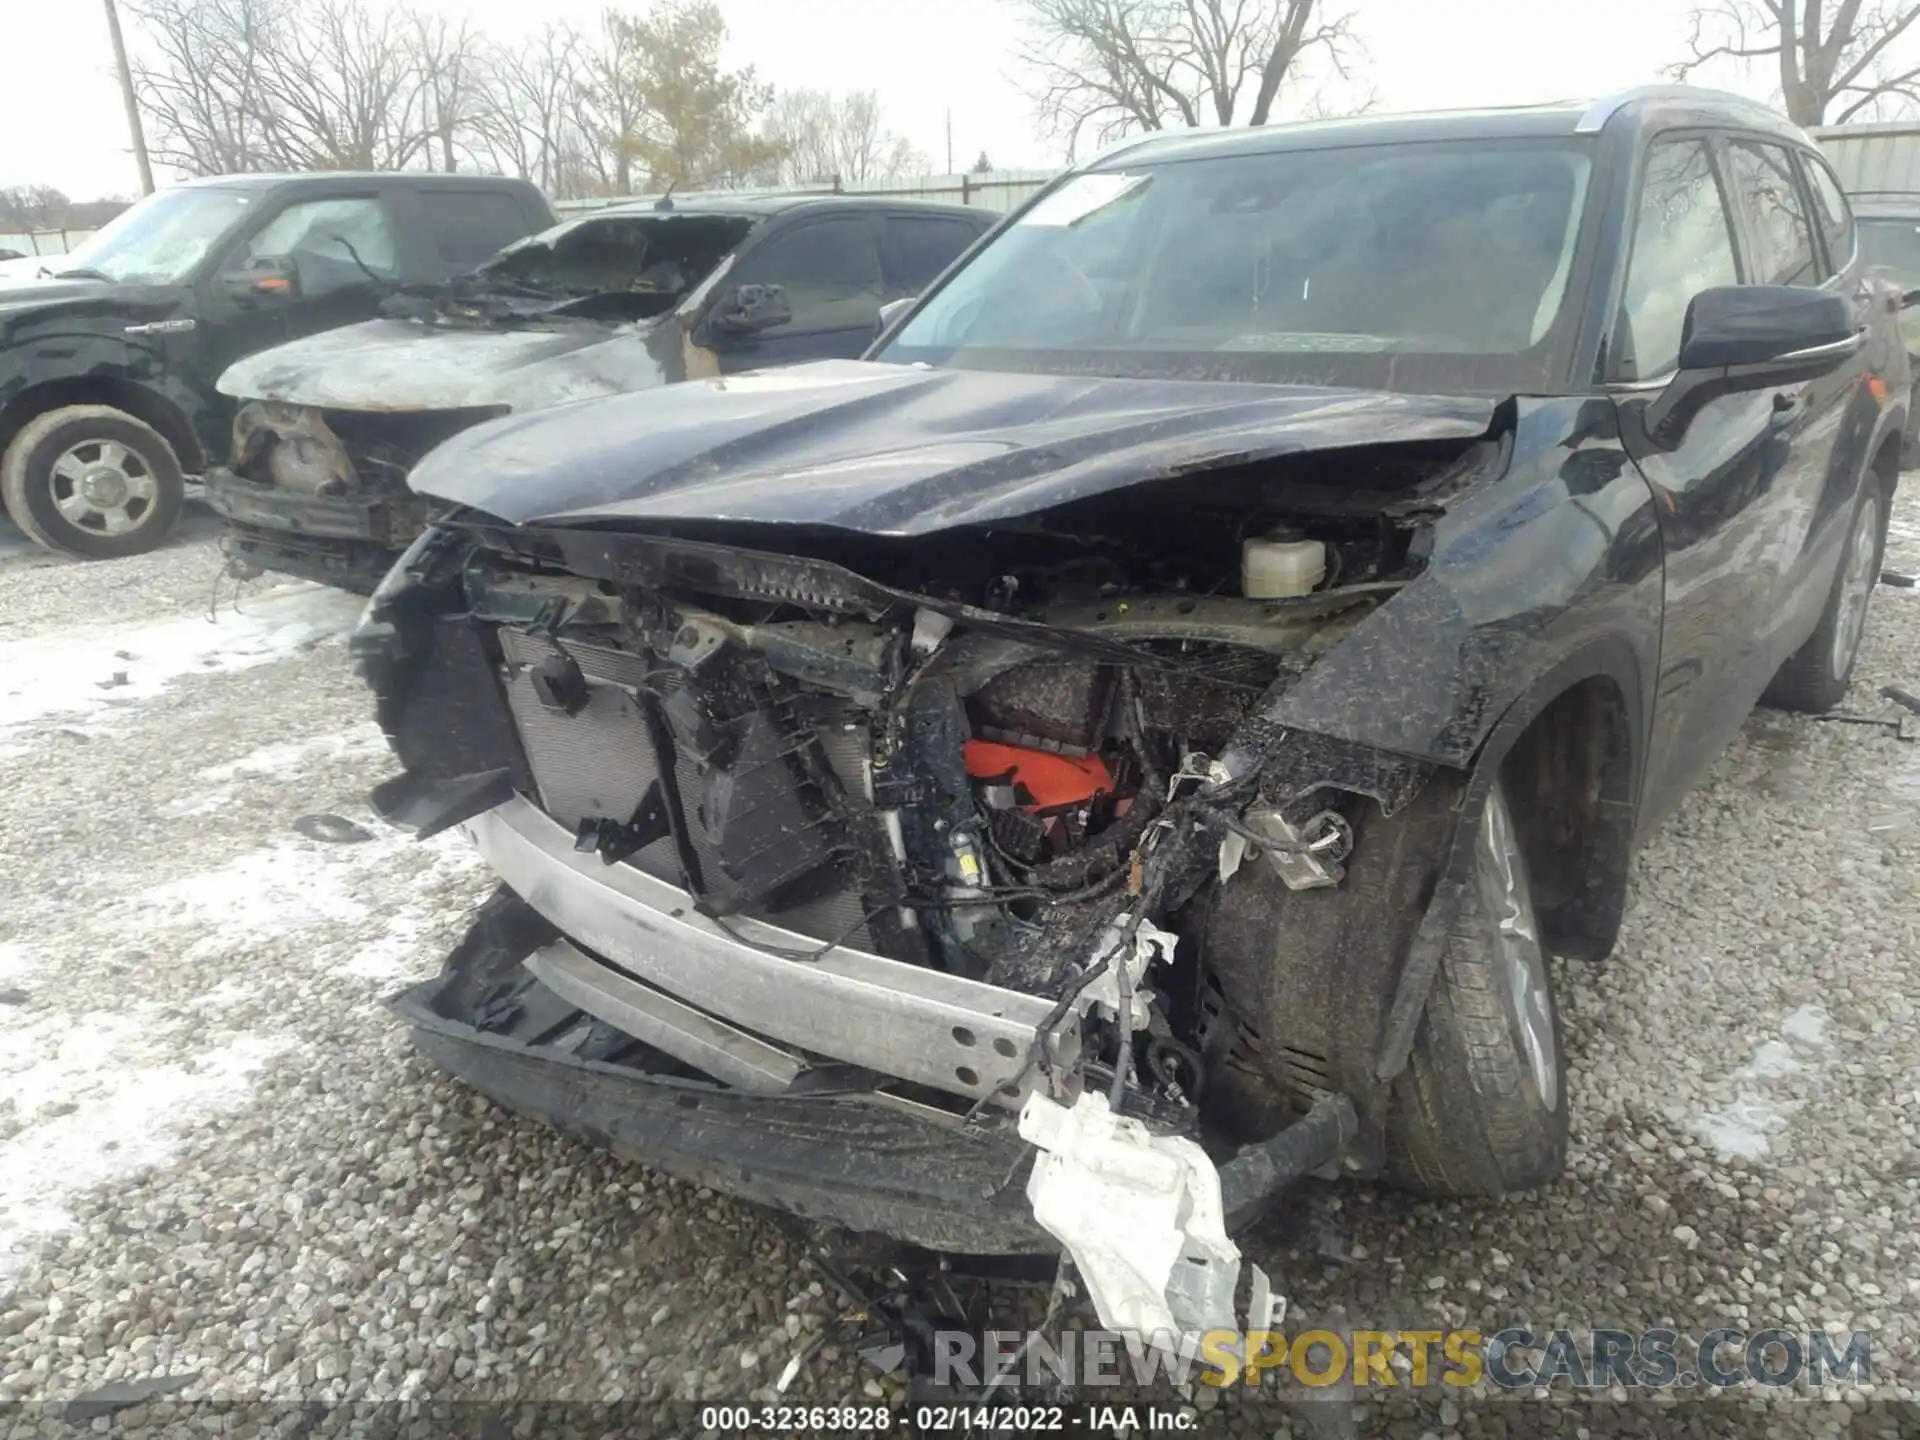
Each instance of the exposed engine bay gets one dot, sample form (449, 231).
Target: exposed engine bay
(1023, 759)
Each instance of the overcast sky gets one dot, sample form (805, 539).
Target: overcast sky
(61, 122)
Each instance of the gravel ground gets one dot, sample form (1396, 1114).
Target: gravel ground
(220, 1160)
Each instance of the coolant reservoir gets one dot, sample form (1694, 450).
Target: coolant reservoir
(1271, 569)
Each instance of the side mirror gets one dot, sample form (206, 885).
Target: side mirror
(1747, 337)
(265, 277)
(749, 309)
(1909, 299)
(893, 310)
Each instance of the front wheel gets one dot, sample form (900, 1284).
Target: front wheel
(1815, 679)
(92, 481)
(1481, 1108)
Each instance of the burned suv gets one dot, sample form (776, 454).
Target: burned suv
(624, 299)
(1141, 734)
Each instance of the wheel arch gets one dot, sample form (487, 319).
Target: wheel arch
(140, 401)
(1587, 714)
(1886, 462)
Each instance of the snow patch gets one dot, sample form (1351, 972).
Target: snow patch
(85, 674)
(389, 958)
(396, 957)
(1775, 1057)
(291, 885)
(1744, 1127)
(94, 1097)
(16, 961)
(1741, 1128)
(221, 784)
(1806, 1026)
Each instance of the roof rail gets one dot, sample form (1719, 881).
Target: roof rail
(1604, 109)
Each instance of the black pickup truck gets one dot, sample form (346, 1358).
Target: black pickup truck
(107, 367)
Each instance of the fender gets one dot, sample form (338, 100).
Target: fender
(1544, 576)
(1557, 557)
(65, 363)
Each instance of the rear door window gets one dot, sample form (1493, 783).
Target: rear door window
(916, 248)
(471, 226)
(1768, 199)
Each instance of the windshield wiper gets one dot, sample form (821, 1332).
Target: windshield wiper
(83, 272)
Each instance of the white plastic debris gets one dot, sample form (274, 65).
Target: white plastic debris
(1150, 943)
(1233, 849)
(1140, 1214)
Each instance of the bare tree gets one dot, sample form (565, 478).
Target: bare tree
(237, 85)
(198, 80)
(817, 137)
(524, 117)
(1835, 60)
(609, 102)
(346, 93)
(1104, 68)
(450, 61)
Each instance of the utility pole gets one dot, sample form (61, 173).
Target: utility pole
(126, 94)
(949, 132)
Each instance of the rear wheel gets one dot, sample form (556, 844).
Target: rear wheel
(1816, 678)
(92, 481)
(1481, 1107)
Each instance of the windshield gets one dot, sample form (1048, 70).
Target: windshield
(1428, 266)
(1893, 246)
(160, 240)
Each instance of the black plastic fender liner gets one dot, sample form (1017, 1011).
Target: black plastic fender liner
(1254, 1178)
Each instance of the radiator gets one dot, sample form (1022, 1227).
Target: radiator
(599, 762)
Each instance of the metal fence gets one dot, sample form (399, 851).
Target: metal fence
(43, 242)
(1874, 160)
(994, 190)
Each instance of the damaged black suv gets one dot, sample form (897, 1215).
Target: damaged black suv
(1141, 734)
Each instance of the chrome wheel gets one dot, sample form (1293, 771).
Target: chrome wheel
(1520, 962)
(103, 486)
(1856, 584)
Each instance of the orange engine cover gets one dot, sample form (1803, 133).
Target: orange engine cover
(1045, 780)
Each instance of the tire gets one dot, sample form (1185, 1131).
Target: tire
(1481, 1108)
(92, 481)
(1815, 679)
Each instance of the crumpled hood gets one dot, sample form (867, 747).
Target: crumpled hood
(403, 365)
(898, 450)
